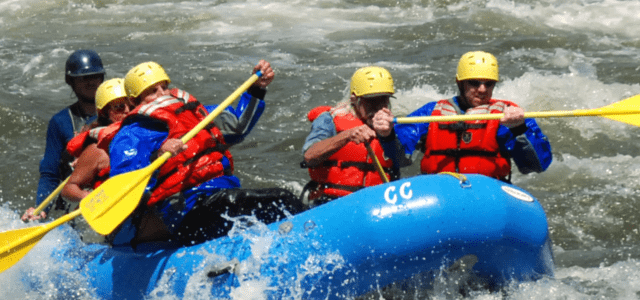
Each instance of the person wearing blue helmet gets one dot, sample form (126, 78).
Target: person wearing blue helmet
(84, 72)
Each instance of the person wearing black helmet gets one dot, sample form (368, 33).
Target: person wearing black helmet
(83, 73)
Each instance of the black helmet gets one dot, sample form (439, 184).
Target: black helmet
(82, 63)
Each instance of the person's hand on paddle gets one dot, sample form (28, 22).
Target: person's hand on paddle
(383, 122)
(361, 134)
(174, 146)
(267, 73)
(513, 117)
(28, 215)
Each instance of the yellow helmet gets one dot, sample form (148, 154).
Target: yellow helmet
(371, 81)
(477, 65)
(143, 76)
(108, 91)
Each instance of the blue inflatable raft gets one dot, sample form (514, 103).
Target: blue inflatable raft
(345, 248)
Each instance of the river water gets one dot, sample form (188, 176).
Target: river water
(553, 55)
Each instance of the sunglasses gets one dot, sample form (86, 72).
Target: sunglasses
(476, 83)
(118, 107)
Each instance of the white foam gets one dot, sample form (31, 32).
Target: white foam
(602, 17)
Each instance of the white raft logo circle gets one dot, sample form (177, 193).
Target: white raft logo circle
(517, 193)
(405, 192)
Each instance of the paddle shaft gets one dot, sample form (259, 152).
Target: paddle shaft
(377, 163)
(51, 197)
(541, 114)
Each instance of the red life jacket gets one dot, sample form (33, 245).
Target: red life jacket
(201, 161)
(465, 147)
(82, 140)
(350, 168)
(96, 135)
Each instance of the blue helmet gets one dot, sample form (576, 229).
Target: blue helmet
(83, 63)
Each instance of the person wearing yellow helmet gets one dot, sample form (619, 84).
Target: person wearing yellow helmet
(112, 102)
(480, 147)
(83, 73)
(92, 165)
(335, 151)
(146, 82)
(191, 191)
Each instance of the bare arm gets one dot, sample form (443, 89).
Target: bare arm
(320, 151)
(89, 164)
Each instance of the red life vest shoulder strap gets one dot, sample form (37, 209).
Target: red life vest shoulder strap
(446, 107)
(181, 94)
(314, 113)
(506, 102)
(342, 117)
(493, 107)
(165, 108)
(76, 144)
(106, 135)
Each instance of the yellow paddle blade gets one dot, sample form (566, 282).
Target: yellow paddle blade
(114, 200)
(104, 209)
(629, 105)
(17, 243)
(11, 256)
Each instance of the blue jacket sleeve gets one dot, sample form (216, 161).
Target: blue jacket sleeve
(530, 151)
(59, 132)
(410, 134)
(322, 128)
(236, 124)
(394, 150)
